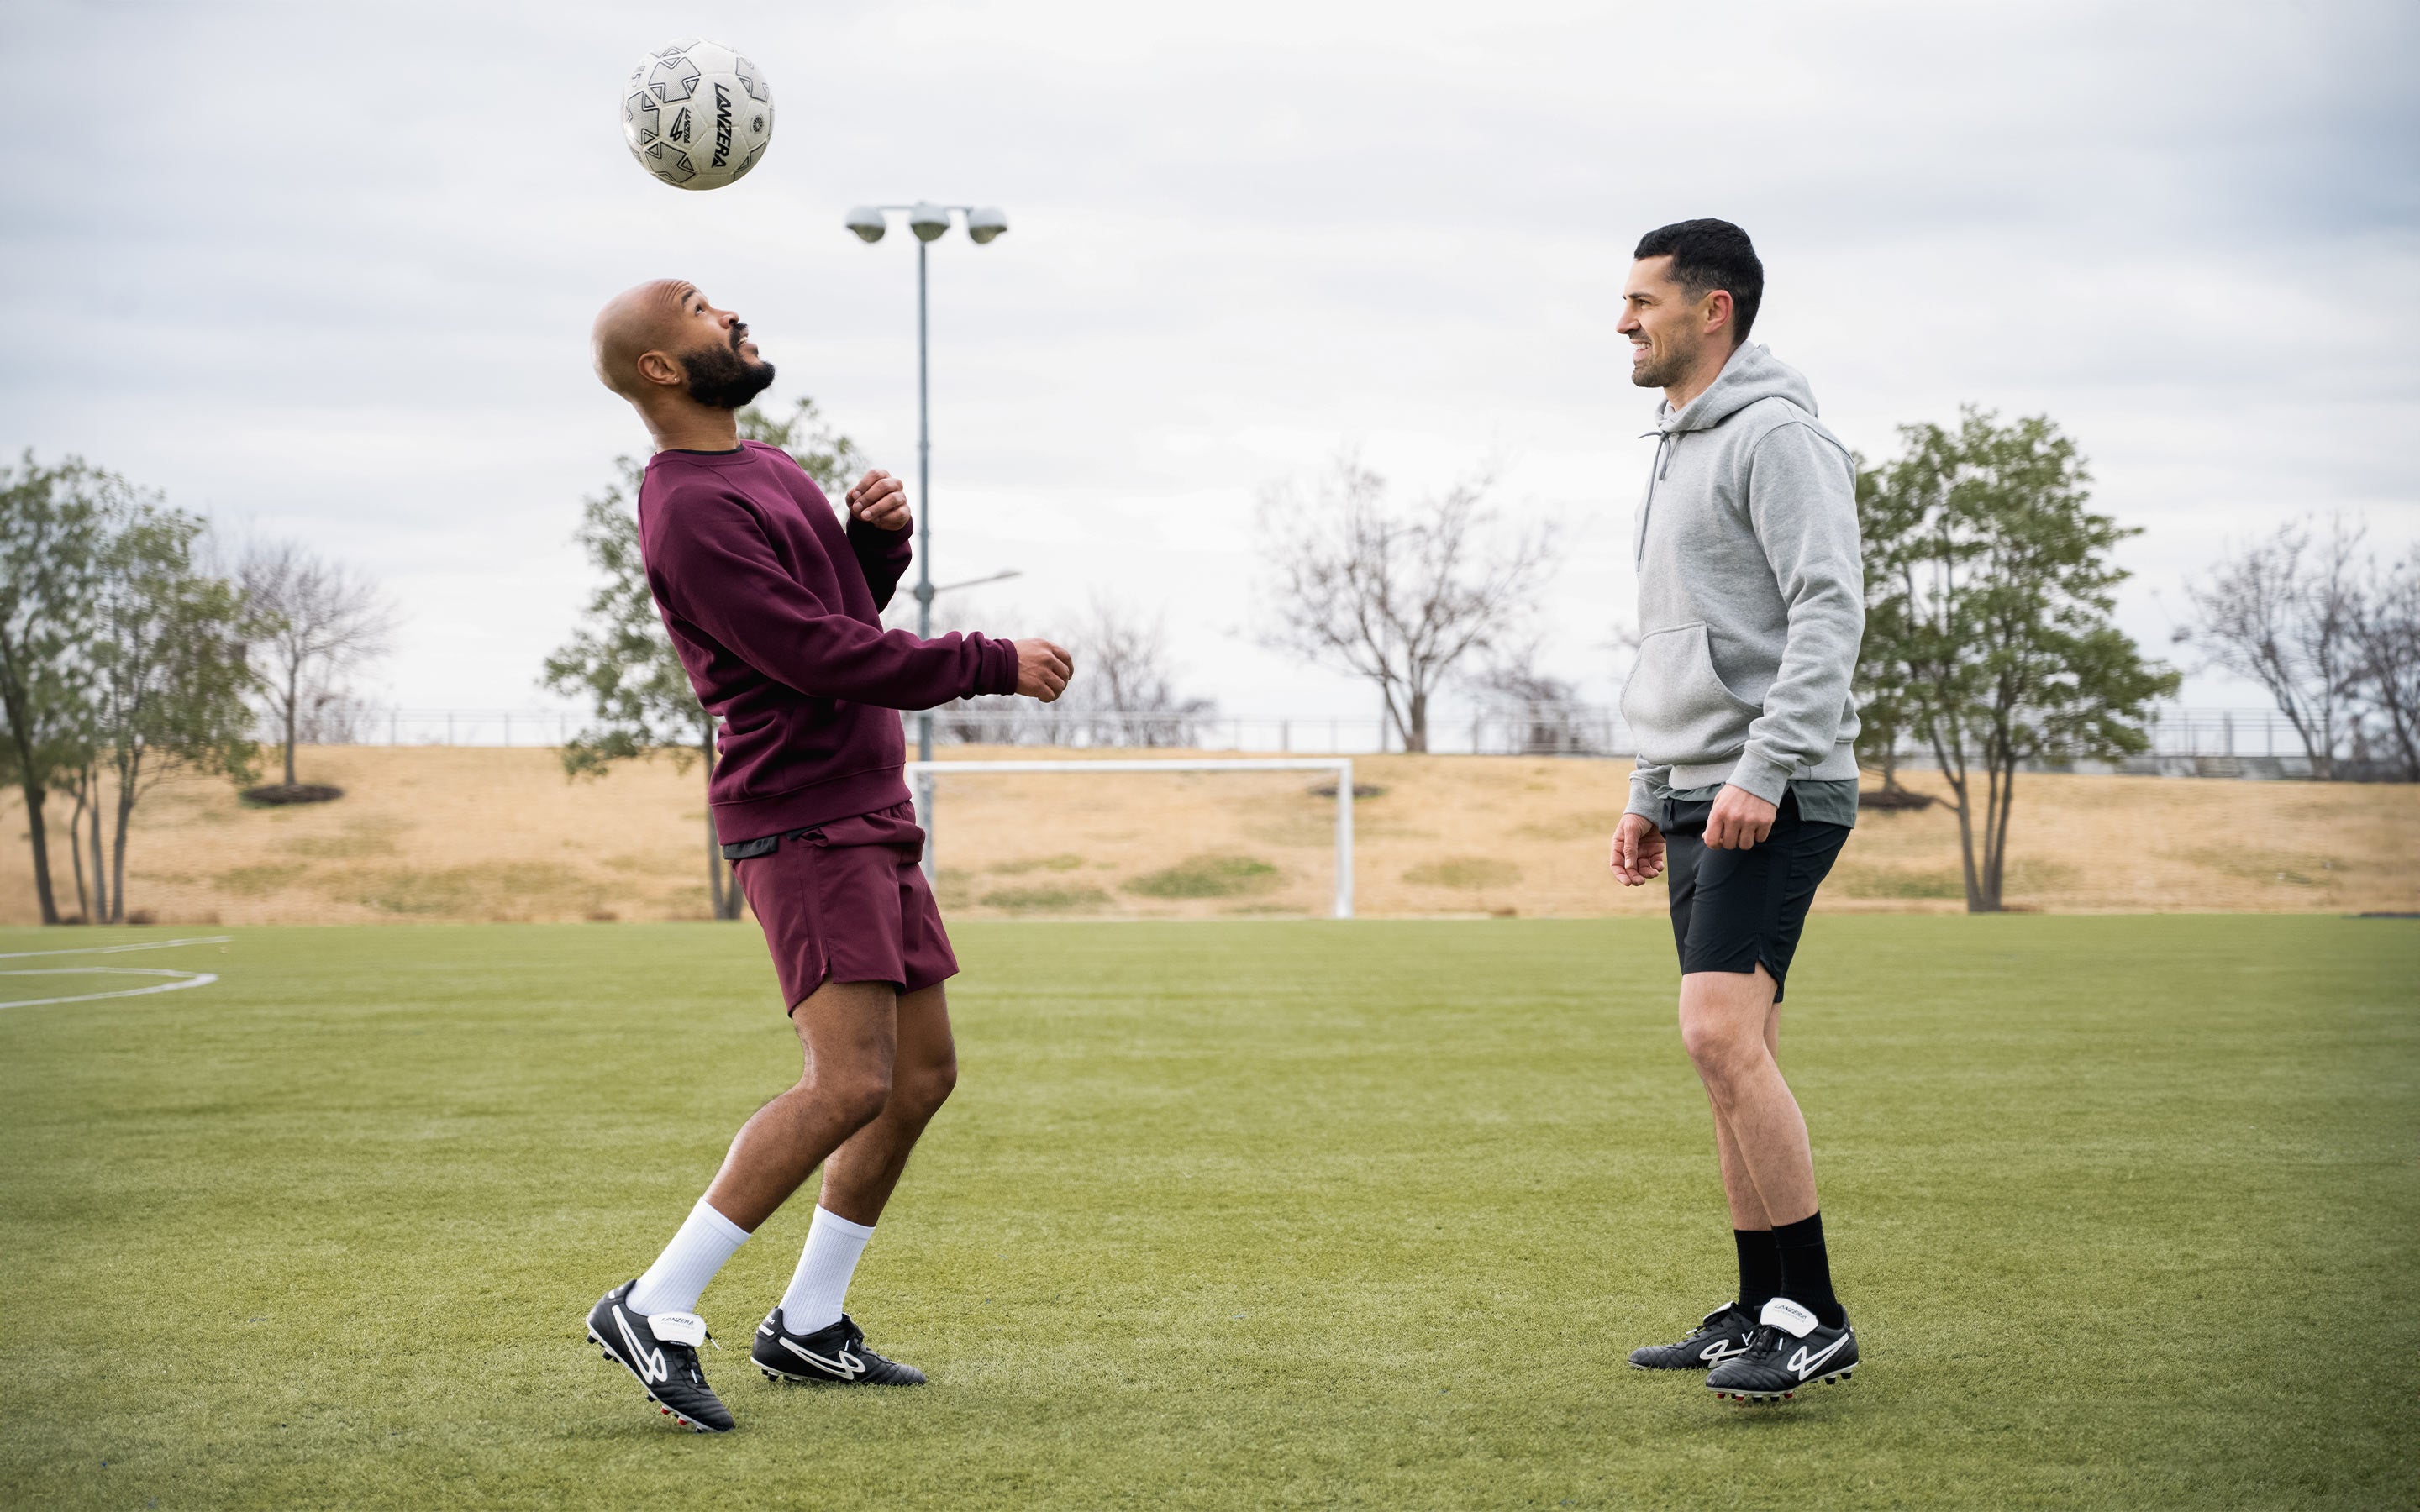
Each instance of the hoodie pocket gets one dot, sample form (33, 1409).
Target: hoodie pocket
(1679, 710)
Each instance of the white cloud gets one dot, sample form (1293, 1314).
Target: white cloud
(331, 269)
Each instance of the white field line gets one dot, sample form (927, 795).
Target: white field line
(177, 982)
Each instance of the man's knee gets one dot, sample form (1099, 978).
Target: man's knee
(856, 1095)
(1722, 1023)
(918, 1092)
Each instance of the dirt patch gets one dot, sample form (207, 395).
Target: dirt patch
(1463, 872)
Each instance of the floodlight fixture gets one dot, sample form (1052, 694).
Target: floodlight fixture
(986, 221)
(866, 221)
(928, 220)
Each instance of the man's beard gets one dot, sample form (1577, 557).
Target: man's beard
(1659, 372)
(721, 378)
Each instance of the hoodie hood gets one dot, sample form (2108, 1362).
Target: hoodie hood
(1752, 374)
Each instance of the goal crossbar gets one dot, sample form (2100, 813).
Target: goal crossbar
(920, 775)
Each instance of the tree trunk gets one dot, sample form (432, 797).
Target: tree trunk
(126, 781)
(101, 894)
(722, 886)
(1890, 764)
(292, 694)
(76, 855)
(2002, 795)
(1416, 730)
(43, 896)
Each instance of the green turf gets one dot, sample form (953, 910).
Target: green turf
(1251, 1214)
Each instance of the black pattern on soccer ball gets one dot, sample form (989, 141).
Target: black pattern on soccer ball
(671, 164)
(640, 113)
(674, 78)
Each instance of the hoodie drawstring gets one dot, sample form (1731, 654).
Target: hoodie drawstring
(1667, 442)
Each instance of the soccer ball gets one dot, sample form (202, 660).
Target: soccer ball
(696, 114)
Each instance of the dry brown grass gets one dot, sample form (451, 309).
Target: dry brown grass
(459, 833)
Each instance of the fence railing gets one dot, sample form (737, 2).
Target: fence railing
(1555, 731)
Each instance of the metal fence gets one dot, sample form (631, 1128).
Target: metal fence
(2177, 731)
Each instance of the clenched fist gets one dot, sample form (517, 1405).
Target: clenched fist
(1043, 670)
(880, 500)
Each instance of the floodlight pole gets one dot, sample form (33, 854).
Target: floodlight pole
(923, 518)
(928, 222)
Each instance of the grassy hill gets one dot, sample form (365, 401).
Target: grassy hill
(432, 833)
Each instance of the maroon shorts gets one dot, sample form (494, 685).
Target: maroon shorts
(845, 900)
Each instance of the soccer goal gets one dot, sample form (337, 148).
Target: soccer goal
(920, 775)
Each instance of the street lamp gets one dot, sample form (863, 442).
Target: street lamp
(928, 221)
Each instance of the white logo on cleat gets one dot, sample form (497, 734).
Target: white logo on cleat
(1719, 1351)
(1806, 1365)
(848, 1366)
(649, 1365)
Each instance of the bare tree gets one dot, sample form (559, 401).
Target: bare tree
(2281, 612)
(321, 623)
(1542, 712)
(1397, 597)
(2385, 677)
(1127, 683)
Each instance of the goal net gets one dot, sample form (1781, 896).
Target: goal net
(1165, 837)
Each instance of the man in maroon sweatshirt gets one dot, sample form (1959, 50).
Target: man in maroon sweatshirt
(775, 608)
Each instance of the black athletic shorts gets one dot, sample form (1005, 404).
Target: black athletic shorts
(1732, 909)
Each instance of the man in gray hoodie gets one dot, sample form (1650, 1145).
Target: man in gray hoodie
(1751, 602)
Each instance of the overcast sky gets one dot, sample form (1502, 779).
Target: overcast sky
(327, 272)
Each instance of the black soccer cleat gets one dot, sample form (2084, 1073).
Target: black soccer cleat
(1722, 1335)
(1791, 1351)
(660, 1352)
(833, 1355)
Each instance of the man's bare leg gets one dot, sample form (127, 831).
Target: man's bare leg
(651, 1326)
(1739, 1189)
(1727, 1024)
(861, 1174)
(847, 1034)
(816, 1341)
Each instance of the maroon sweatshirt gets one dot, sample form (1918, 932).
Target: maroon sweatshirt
(775, 611)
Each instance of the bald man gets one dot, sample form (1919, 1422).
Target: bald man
(775, 608)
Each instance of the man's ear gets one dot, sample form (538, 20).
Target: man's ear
(1716, 310)
(660, 369)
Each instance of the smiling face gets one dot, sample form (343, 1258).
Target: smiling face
(1673, 335)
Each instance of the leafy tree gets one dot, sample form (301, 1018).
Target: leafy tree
(170, 677)
(621, 659)
(1996, 584)
(827, 456)
(1882, 709)
(54, 525)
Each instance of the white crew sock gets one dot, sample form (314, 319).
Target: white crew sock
(820, 1283)
(678, 1277)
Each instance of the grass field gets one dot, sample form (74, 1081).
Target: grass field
(1232, 1214)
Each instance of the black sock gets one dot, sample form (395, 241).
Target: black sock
(1806, 1272)
(1759, 1265)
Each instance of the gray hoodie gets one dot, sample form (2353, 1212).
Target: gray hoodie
(1751, 593)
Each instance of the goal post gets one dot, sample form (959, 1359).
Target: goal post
(920, 775)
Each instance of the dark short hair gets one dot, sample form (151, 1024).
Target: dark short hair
(1711, 254)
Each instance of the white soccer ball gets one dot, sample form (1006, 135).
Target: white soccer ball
(696, 114)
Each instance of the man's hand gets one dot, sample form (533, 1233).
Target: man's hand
(1739, 821)
(880, 500)
(1043, 670)
(1638, 851)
